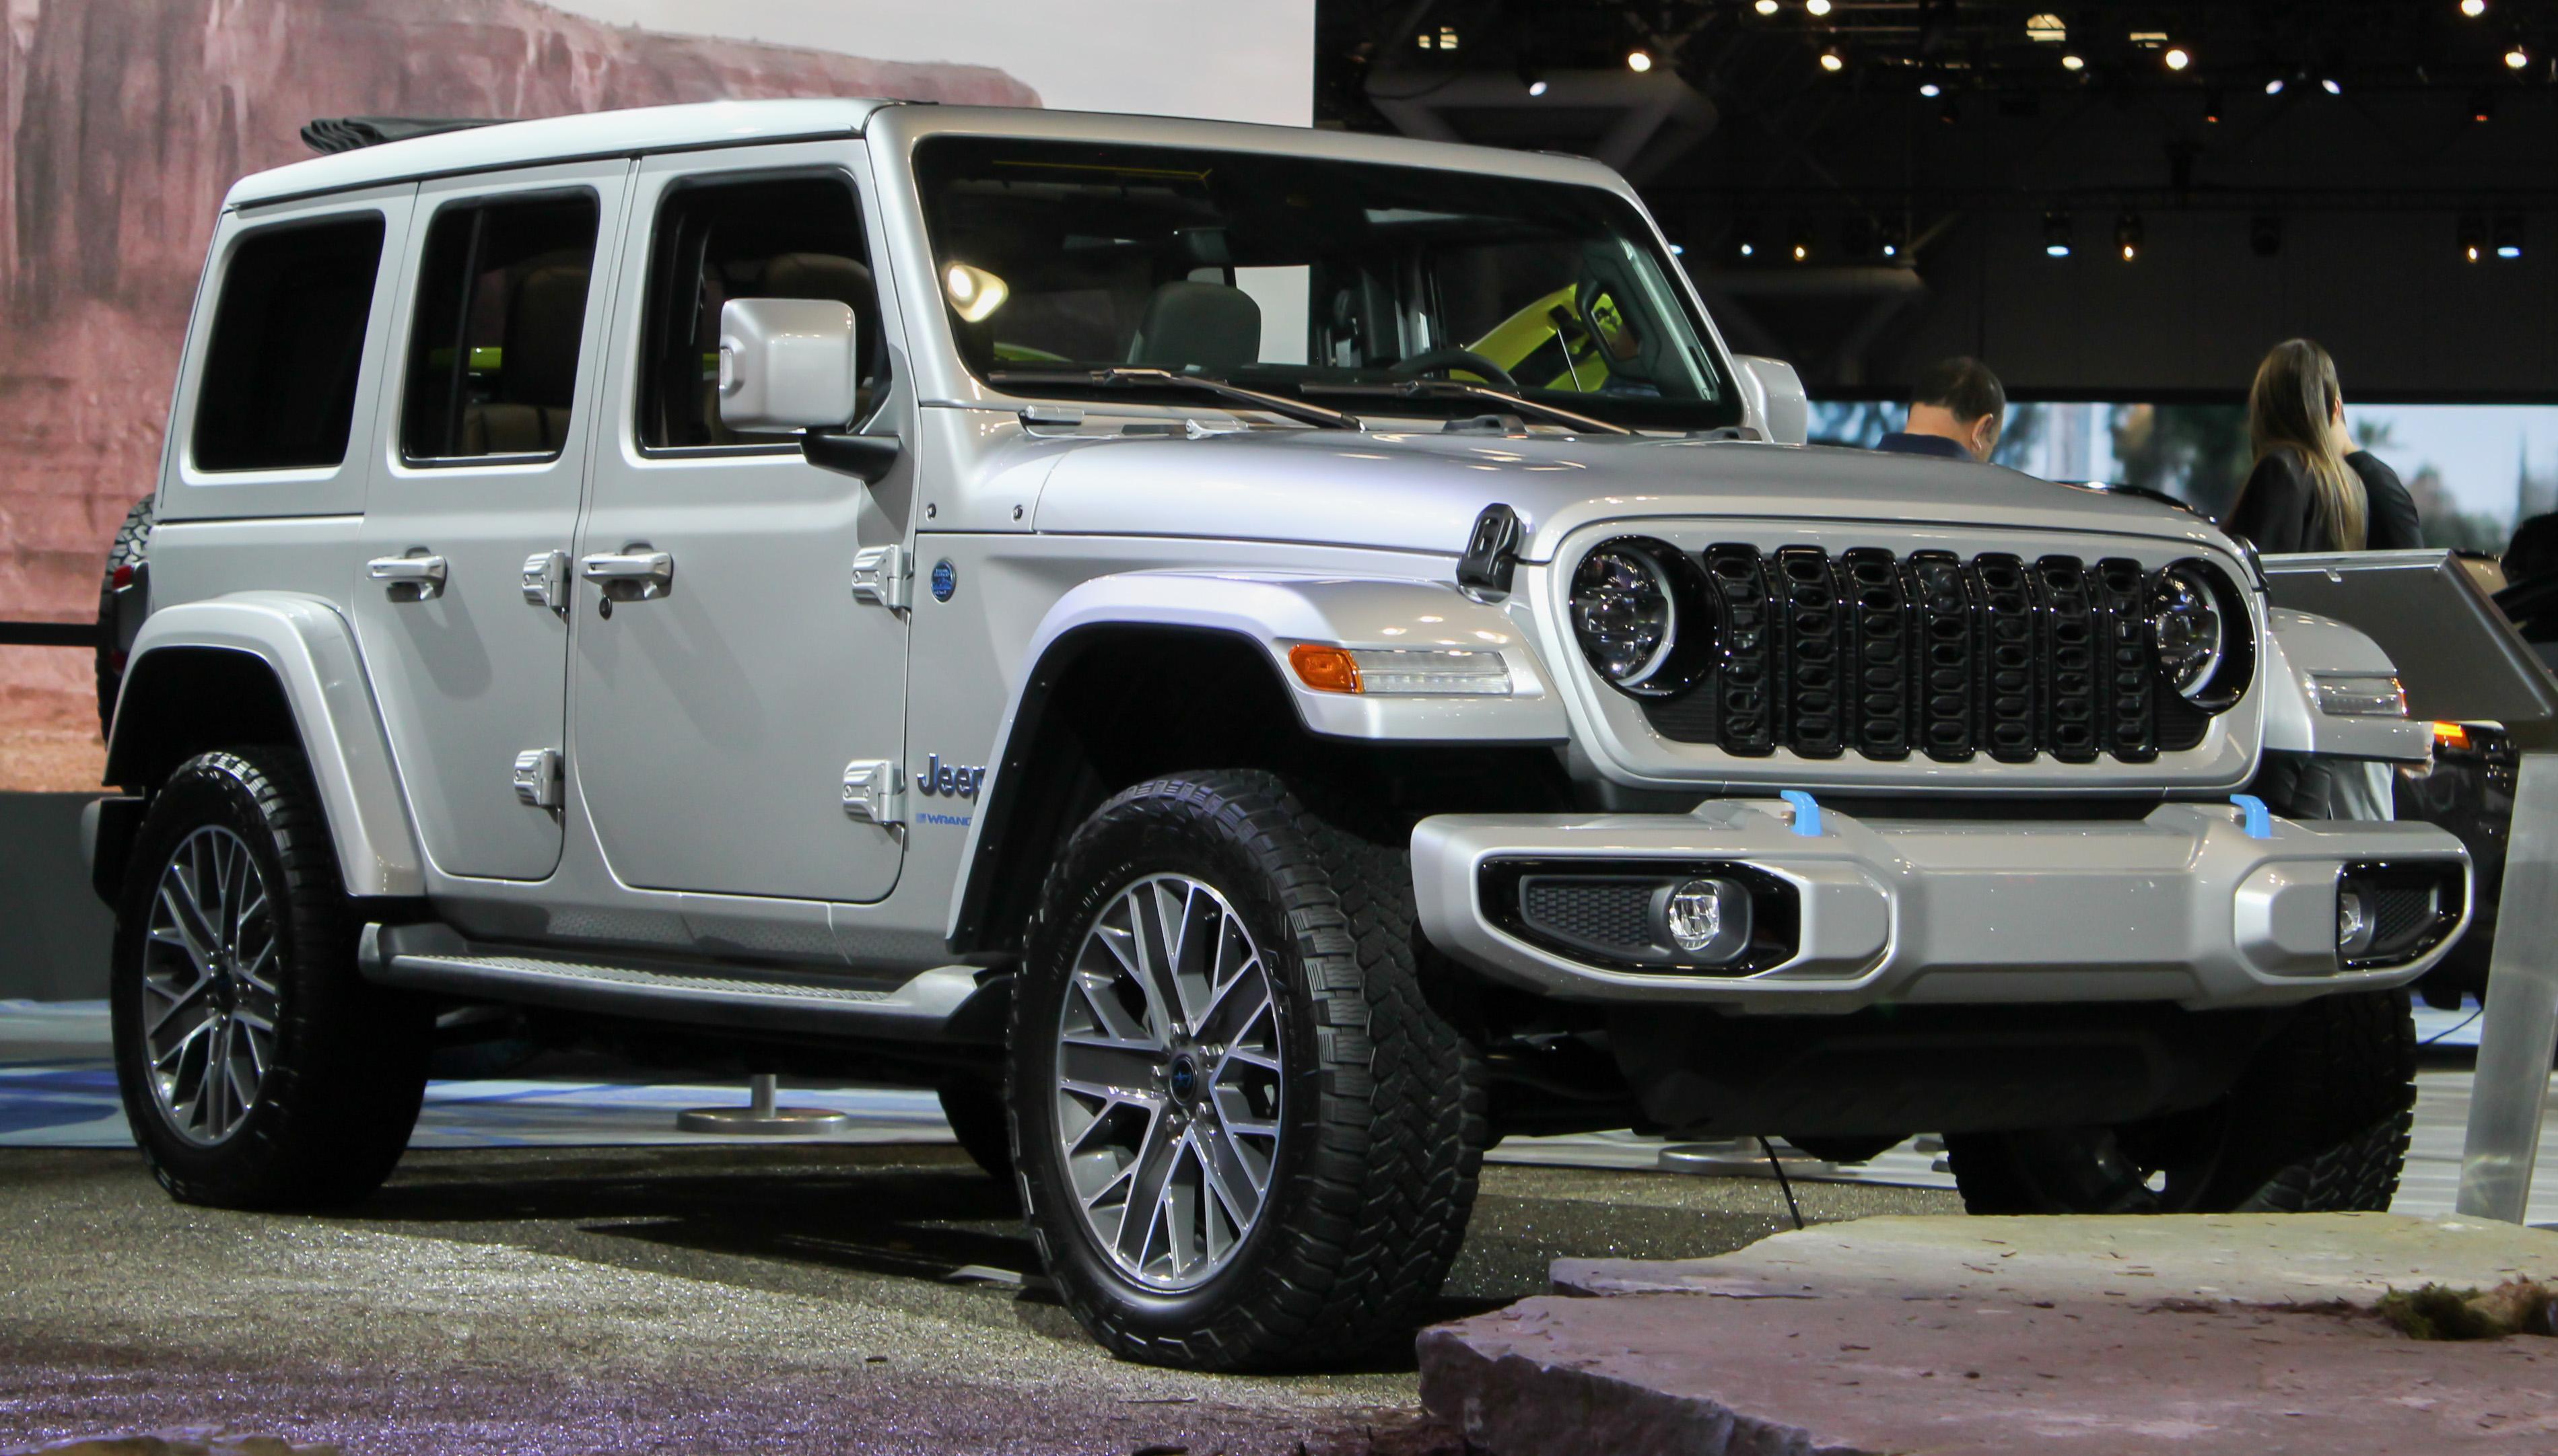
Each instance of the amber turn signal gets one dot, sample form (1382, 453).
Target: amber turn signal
(1323, 668)
(2453, 736)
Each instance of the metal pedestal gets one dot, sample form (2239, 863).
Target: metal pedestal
(760, 1119)
(2518, 1030)
(1741, 1157)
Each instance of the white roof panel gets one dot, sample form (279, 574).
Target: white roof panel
(557, 139)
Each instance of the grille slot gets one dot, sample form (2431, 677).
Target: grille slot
(1889, 655)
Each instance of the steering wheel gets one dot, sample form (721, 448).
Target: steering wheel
(1450, 360)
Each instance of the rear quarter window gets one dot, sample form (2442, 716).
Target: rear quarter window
(278, 388)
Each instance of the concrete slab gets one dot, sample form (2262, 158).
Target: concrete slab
(2255, 1257)
(2201, 1336)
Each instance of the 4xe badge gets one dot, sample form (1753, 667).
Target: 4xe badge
(949, 779)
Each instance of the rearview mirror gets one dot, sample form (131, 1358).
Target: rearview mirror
(1774, 395)
(787, 364)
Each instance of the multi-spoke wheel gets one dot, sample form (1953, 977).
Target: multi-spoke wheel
(1169, 1081)
(259, 1069)
(1246, 1137)
(210, 1002)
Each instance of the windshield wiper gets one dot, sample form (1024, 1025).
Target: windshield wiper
(1459, 389)
(1297, 410)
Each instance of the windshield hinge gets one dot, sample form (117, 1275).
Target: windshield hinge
(1492, 551)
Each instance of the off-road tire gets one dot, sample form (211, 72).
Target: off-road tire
(348, 1069)
(1385, 1116)
(132, 540)
(2317, 1123)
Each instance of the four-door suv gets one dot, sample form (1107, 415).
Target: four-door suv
(1256, 660)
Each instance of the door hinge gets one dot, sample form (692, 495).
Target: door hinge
(881, 577)
(875, 790)
(537, 776)
(546, 580)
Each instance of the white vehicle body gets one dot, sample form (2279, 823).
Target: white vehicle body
(793, 753)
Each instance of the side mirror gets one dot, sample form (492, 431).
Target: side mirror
(787, 364)
(1773, 395)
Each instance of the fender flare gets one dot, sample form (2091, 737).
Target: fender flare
(2299, 644)
(311, 651)
(1271, 612)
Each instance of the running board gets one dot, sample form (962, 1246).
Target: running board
(927, 1008)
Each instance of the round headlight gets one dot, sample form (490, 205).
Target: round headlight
(1625, 611)
(2185, 627)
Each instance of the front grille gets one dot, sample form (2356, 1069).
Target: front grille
(1887, 655)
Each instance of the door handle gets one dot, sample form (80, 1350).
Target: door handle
(632, 574)
(411, 578)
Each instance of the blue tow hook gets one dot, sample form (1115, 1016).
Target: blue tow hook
(2258, 820)
(1807, 811)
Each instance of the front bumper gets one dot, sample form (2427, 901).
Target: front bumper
(2182, 906)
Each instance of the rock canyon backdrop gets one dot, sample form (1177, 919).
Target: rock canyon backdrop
(122, 122)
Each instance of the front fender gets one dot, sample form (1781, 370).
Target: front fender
(311, 651)
(1273, 612)
(2299, 645)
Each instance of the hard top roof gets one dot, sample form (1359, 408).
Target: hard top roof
(557, 139)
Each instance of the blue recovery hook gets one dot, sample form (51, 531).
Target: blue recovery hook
(1807, 811)
(2258, 820)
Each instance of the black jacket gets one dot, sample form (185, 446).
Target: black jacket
(2278, 508)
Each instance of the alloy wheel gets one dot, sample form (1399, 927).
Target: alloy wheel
(210, 996)
(1169, 1081)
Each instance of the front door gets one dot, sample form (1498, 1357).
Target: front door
(480, 468)
(718, 702)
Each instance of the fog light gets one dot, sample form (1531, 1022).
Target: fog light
(2355, 921)
(1706, 920)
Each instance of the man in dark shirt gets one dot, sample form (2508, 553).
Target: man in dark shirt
(1956, 411)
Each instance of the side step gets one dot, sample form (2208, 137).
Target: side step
(927, 1008)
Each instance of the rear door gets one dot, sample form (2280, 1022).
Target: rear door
(482, 461)
(716, 710)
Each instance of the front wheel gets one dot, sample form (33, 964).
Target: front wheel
(1245, 1137)
(259, 1069)
(2317, 1123)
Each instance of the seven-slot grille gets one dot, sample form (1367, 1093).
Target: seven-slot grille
(1928, 654)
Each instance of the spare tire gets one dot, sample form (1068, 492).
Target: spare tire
(115, 624)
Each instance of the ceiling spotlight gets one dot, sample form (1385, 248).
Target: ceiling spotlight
(1536, 88)
(1816, 7)
(2046, 26)
(2473, 8)
(1931, 90)
(1801, 244)
(1531, 77)
(2127, 236)
(1766, 7)
(2274, 87)
(1949, 110)
(1639, 60)
(2471, 237)
(2517, 57)
(2481, 105)
(2265, 236)
(2509, 237)
(2211, 101)
(2177, 57)
(1744, 239)
(2056, 234)
(1832, 61)
(2072, 62)
(2332, 87)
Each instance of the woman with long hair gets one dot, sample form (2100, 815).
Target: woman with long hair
(2312, 488)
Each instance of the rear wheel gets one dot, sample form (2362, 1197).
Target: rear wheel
(1246, 1139)
(2317, 1123)
(258, 1067)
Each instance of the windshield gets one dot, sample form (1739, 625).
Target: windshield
(1333, 282)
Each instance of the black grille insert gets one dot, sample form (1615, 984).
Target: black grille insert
(1887, 655)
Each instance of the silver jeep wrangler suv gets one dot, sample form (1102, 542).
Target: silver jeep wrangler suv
(1256, 661)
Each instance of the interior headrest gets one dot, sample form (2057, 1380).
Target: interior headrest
(1213, 327)
(542, 328)
(820, 275)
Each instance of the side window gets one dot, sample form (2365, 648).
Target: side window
(288, 342)
(500, 309)
(764, 237)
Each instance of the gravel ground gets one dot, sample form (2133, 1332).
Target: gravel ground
(741, 1299)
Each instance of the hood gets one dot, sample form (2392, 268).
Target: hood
(1421, 491)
